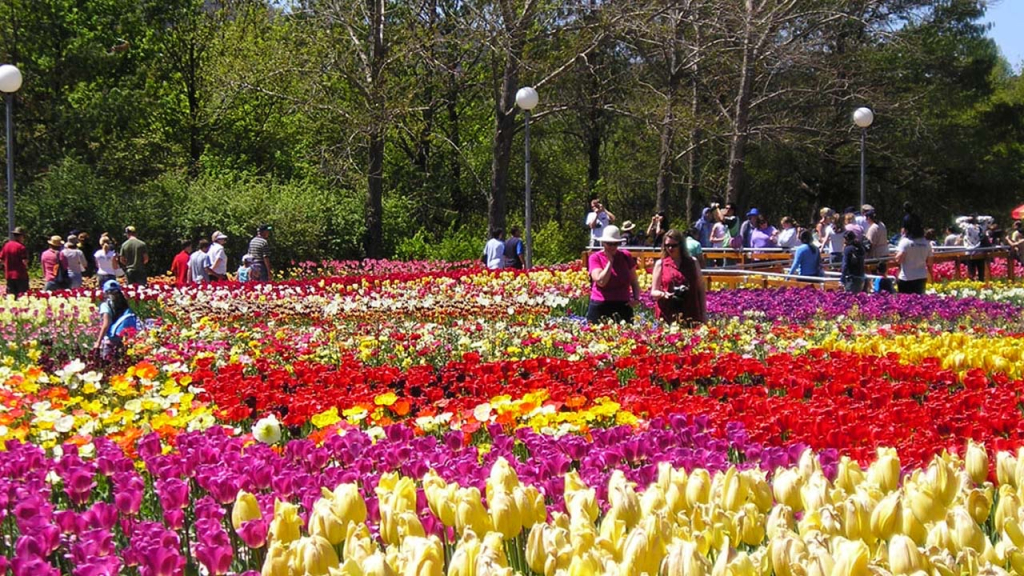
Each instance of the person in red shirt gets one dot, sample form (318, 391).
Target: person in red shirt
(179, 267)
(15, 259)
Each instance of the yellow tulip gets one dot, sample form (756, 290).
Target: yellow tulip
(966, 533)
(347, 568)
(442, 501)
(884, 472)
(276, 562)
(849, 474)
(940, 536)
(976, 461)
(582, 534)
(814, 494)
(245, 508)
(323, 522)
(584, 565)
(924, 503)
(819, 563)
(787, 551)
(979, 504)
(1008, 506)
(851, 559)
(886, 518)
(683, 559)
(531, 505)
(502, 478)
(313, 556)
(286, 526)
(912, 527)
(347, 503)
(759, 491)
(1016, 560)
(653, 501)
(623, 499)
(463, 562)
(943, 480)
(358, 543)
(376, 565)
(612, 536)
(637, 554)
(423, 556)
(1013, 533)
(536, 554)
(505, 514)
(857, 519)
(750, 525)
(780, 521)
(470, 513)
(1006, 469)
(735, 489)
(573, 483)
(698, 488)
(808, 464)
(904, 557)
(583, 504)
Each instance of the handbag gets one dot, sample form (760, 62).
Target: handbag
(62, 279)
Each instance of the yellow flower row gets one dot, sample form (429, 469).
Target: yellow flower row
(941, 521)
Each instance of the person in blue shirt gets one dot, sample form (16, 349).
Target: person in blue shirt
(806, 260)
(117, 317)
(514, 250)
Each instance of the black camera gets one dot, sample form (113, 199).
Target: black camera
(679, 292)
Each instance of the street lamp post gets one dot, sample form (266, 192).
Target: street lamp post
(10, 82)
(863, 117)
(527, 98)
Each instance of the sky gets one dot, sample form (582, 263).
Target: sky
(1007, 18)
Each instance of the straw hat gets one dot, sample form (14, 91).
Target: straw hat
(611, 234)
(628, 226)
(56, 241)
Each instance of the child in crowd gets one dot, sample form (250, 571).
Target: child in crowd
(243, 268)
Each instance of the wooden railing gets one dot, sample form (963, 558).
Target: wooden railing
(776, 260)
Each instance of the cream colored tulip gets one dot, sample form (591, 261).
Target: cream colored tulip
(492, 548)
(502, 478)
(808, 464)
(856, 514)
(622, 498)
(376, 565)
(276, 562)
(582, 535)
(683, 559)
(884, 472)
(638, 556)
(470, 514)
(1006, 469)
(976, 461)
(940, 537)
(780, 520)
(530, 502)
(786, 488)
(904, 557)
(749, 524)
(323, 522)
(979, 505)
(583, 504)
(1008, 506)
(698, 488)
(815, 493)
(442, 500)
(912, 527)
(851, 559)
(849, 475)
(347, 503)
(313, 556)
(966, 533)
(612, 536)
(358, 543)
(943, 481)
(286, 526)
(886, 518)
(423, 556)
(788, 551)
(760, 492)
(505, 514)
(652, 501)
(735, 490)
(925, 504)
(1013, 533)
(463, 561)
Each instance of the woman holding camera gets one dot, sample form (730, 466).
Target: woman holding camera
(676, 286)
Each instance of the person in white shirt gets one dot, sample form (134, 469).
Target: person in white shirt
(494, 250)
(912, 255)
(789, 236)
(76, 261)
(972, 241)
(107, 266)
(218, 258)
(597, 219)
(952, 237)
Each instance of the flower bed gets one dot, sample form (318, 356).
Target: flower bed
(469, 422)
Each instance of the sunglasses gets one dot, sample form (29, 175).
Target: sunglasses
(671, 246)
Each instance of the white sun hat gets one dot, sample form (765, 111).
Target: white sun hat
(611, 234)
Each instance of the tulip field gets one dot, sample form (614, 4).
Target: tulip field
(428, 419)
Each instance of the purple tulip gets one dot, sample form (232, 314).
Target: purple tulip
(173, 493)
(78, 484)
(254, 532)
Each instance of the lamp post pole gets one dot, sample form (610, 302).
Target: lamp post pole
(863, 117)
(527, 99)
(10, 82)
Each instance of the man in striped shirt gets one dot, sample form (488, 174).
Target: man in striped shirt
(259, 249)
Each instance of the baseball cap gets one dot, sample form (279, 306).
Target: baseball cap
(753, 212)
(264, 228)
(111, 286)
(129, 229)
(219, 236)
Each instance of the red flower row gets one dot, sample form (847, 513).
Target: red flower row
(846, 401)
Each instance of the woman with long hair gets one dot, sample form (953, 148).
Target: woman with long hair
(912, 255)
(676, 284)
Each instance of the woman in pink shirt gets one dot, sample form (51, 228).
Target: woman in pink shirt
(613, 276)
(52, 260)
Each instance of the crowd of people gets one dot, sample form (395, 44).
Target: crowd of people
(69, 261)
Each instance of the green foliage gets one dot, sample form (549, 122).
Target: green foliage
(455, 245)
(555, 244)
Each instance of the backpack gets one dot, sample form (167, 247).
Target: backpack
(127, 320)
(856, 261)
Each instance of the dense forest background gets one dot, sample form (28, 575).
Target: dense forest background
(372, 128)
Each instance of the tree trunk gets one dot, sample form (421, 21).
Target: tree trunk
(664, 184)
(734, 191)
(504, 132)
(462, 204)
(594, 138)
(374, 243)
